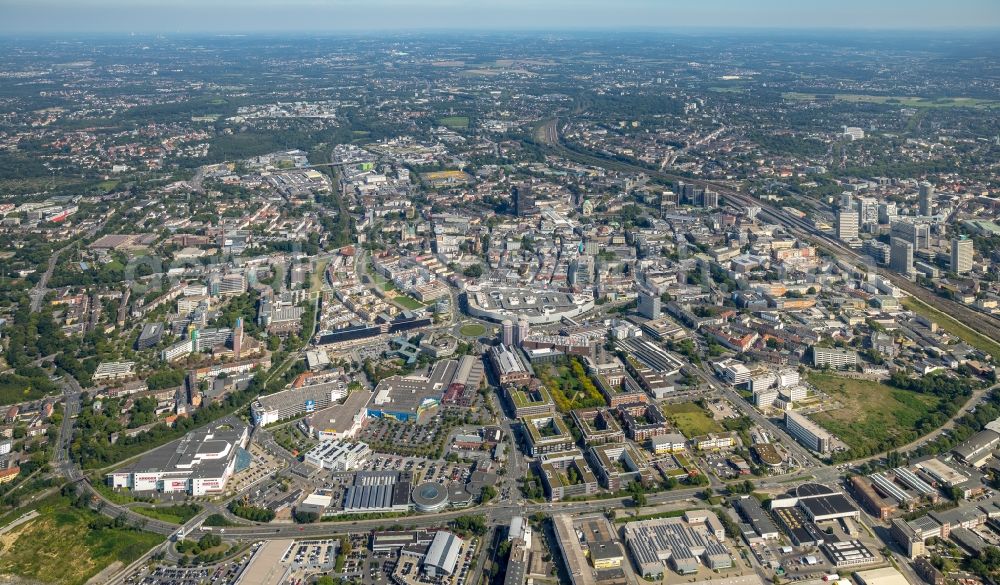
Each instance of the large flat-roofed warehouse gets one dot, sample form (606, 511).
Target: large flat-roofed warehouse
(337, 455)
(821, 503)
(442, 555)
(341, 421)
(589, 538)
(265, 566)
(295, 402)
(200, 463)
(883, 576)
(685, 543)
(378, 491)
(508, 366)
(393, 540)
(849, 553)
(978, 448)
(831, 507)
(941, 472)
(405, 398)
(798, 527)
(753, 513)
(537, 307)
(468, 377)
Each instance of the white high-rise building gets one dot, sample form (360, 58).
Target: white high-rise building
(847, 225)
(868, 208)
(853, 133)
(788, 377)
(887, 212)
(901, 256)
(961, 255)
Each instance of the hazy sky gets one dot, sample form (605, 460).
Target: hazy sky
(124, 16)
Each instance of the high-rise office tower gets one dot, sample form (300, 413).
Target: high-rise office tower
(926, 199)
(524, 203)
(961, 255)
(901, 256)
(868, 208)
(507, 332)
(847, 224)
(521, 330)
(238, 337)
(887, 212)
(710, 199)
(649, 305)
(918, 234)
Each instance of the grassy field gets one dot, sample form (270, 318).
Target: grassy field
(175, 514)
(60, 547)
(570, 386)
(318, 275)
(35, 184)
(107, 186)
(408, 302)
(122, 496)
(872, 412)
(908, 101)
(949, 324)
(691, 419)
(454, 121)
(379, 280)
(472, 330)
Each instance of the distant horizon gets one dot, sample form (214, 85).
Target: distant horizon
(263, 17)
(459, 32)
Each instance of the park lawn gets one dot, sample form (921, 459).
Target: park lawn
(380, 281)
(956, 328)
(15, 388)
(409, 302)
(472, 330)
(691, 419)
(319, 274)
(872, 412)
(59, 547)
(176, 514)
(107, 186)
(117, 496)
(455, 121)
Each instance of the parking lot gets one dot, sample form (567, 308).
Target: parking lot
(312, 555)
(264, 464)
(223, 573)
(426, 437)
(718, 465)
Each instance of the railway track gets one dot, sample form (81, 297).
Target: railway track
(981, 323)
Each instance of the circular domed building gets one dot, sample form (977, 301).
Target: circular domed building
(429, 497)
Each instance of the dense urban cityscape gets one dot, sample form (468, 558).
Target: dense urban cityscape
(501, 309)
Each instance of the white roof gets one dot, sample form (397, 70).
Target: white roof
(320, 500)
(883, 576)
(443, 552)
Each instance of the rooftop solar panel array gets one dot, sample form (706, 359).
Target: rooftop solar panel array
(654, 541)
